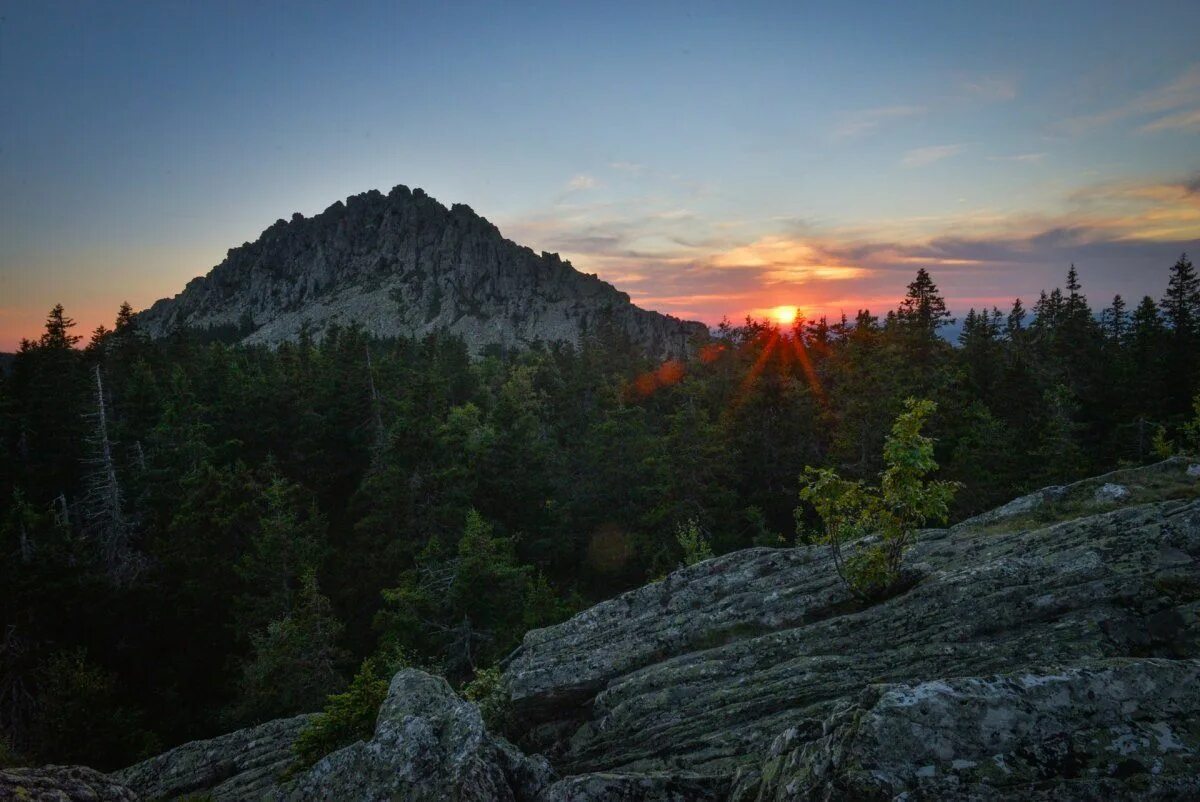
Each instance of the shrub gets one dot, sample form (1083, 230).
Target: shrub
(488, 693)
(348, 716)
(903, 502)
(693, 541)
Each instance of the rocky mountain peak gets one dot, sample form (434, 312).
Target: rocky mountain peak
(402, 264)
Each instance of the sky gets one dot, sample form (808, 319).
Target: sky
(709, 159)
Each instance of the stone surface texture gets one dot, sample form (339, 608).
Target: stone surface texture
(241, 765)
(429, 745)
(62, 784)
(704, 672)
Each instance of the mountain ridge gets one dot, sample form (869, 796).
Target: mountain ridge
(403, 264)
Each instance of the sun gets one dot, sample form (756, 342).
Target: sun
(785, 315)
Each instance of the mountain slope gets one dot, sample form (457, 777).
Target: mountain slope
(403, 264)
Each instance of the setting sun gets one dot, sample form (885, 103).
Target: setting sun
(785, 315)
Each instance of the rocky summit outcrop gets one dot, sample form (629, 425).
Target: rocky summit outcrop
(1049, 650)
(402, 264)
(241, 765)
(62, 784)
(429, 745)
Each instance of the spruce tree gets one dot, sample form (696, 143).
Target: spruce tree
(1181, 304)
(923, 309)
(1116, 321)
(1181, 311)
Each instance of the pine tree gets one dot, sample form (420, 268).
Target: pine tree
(923, 308)
(1181, 304)
(287, 546)
(296, 662)
(1116, 321)
(58, 330)
(1181, 312)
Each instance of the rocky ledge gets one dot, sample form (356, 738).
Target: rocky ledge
(757, 669)
(1049, 650)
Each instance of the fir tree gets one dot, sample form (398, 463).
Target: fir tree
(923, 309)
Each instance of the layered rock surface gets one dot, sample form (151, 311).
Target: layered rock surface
(62, 784)
(703, 672)
(238, 766)
(404, 265)
(429, 745)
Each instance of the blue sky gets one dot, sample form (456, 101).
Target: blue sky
(708, 159)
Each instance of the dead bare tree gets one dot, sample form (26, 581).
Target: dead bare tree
(104, 518)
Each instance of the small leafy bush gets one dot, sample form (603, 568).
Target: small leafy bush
(693, 541)
(348, 716)
(904, 501)
(488, 693)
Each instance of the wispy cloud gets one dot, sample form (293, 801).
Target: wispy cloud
(868, 121)
(1183, 121)
(1172, 106)
(920, 157)
(990, 88)
(1022, 158)
(581, 181)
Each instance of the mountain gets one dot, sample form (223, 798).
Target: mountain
(1046, 650)
(404, 264)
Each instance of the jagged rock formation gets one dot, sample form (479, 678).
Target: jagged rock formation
(404, 265)
(1049, 650)
(752, 667)
(238, 766)
(62, 784)
(429, 745)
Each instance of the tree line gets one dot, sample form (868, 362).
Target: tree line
(198, 535)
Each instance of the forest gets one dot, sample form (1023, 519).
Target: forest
(197, 535)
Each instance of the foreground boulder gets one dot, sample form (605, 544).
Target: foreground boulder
(429, 745)
(1101, 731)
(242, 765)
(62, 784)
(703, 673)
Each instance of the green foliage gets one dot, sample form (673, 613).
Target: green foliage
(80, 717)
(438, 606)
(1191, 429)
(904, 501)
(349, 716)
(486, 689)
(693, 541)
(295, 660)
(1162, 446)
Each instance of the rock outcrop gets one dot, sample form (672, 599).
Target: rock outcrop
(757, 665)
(241, 765)
(62, 784)
(1049, 650)
(1107, 729)
(429, 745)
(404, 265)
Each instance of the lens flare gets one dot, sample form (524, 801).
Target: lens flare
(785, 315)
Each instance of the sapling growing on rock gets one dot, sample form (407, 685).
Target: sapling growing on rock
(904, 501)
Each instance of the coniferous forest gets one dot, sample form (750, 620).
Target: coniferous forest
(198, 535)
